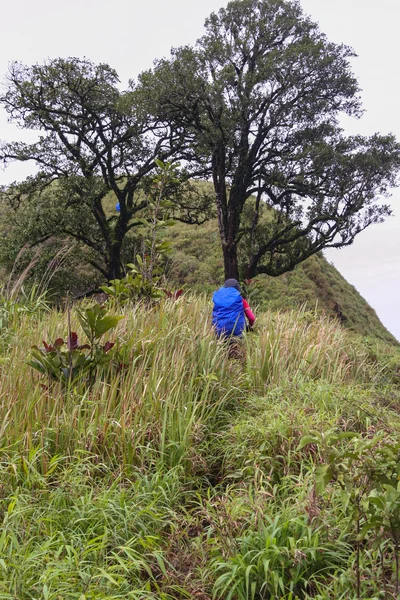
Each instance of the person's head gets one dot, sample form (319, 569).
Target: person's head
(233, 283)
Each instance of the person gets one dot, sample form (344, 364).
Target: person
(230, 310)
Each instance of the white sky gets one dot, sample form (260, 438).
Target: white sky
(129, 34)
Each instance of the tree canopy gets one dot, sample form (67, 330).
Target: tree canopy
(94, 141)
(254, 106)
(258, 102)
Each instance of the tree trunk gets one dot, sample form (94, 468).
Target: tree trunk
(228, 212)
(114, 267)
(230, 261)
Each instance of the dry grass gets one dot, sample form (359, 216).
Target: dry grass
(298, 345)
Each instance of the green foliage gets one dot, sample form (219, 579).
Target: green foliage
(283, 559)
(134, 285)
(269, 473)
(358, 466)
(83, 542)
(14, 303)
(96, 322)
(315, 286)
(187, 474)
(60, 266)
(96, 151)
(220, 95)
(68, 361)
(368, 473)
(208, 104)
(143, 279)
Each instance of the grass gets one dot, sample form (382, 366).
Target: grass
(196, 261)
(298, 345)
(182, 477)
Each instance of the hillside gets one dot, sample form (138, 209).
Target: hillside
(196, 261)
(171, 470)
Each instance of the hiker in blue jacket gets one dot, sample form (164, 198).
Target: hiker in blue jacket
(230, 310)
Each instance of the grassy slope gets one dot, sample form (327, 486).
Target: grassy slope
(197, 261)
(184, 476)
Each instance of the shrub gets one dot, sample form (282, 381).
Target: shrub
(67, 361)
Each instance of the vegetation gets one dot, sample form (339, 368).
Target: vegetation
(190, 257)
(94, 142)
(195, 261)
(258, 101)
(254, 107)
(191, 474)
(66, 361)
(141, 456)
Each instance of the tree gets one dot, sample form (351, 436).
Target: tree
(258, 101)
(95, 142)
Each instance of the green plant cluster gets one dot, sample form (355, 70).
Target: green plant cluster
(134, 286)
(190, 256)
(143, 279)
(67, 361)
(282, 559)
(367, 472)
(14, 303)
(193, 472)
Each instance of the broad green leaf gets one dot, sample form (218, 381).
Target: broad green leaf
(323, 475)
(105, 324)
(307, 439)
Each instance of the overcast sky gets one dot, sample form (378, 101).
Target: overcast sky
(129, 34)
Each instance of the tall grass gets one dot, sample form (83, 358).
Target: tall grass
(301, 345)
(174, 381)
(156, 482)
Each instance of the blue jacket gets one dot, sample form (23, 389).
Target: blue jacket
(228, 312)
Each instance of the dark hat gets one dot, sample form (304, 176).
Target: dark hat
(233, 283)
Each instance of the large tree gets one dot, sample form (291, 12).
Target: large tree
(258, 102)
(95, 142)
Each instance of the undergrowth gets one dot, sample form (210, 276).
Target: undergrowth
(187, 473)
